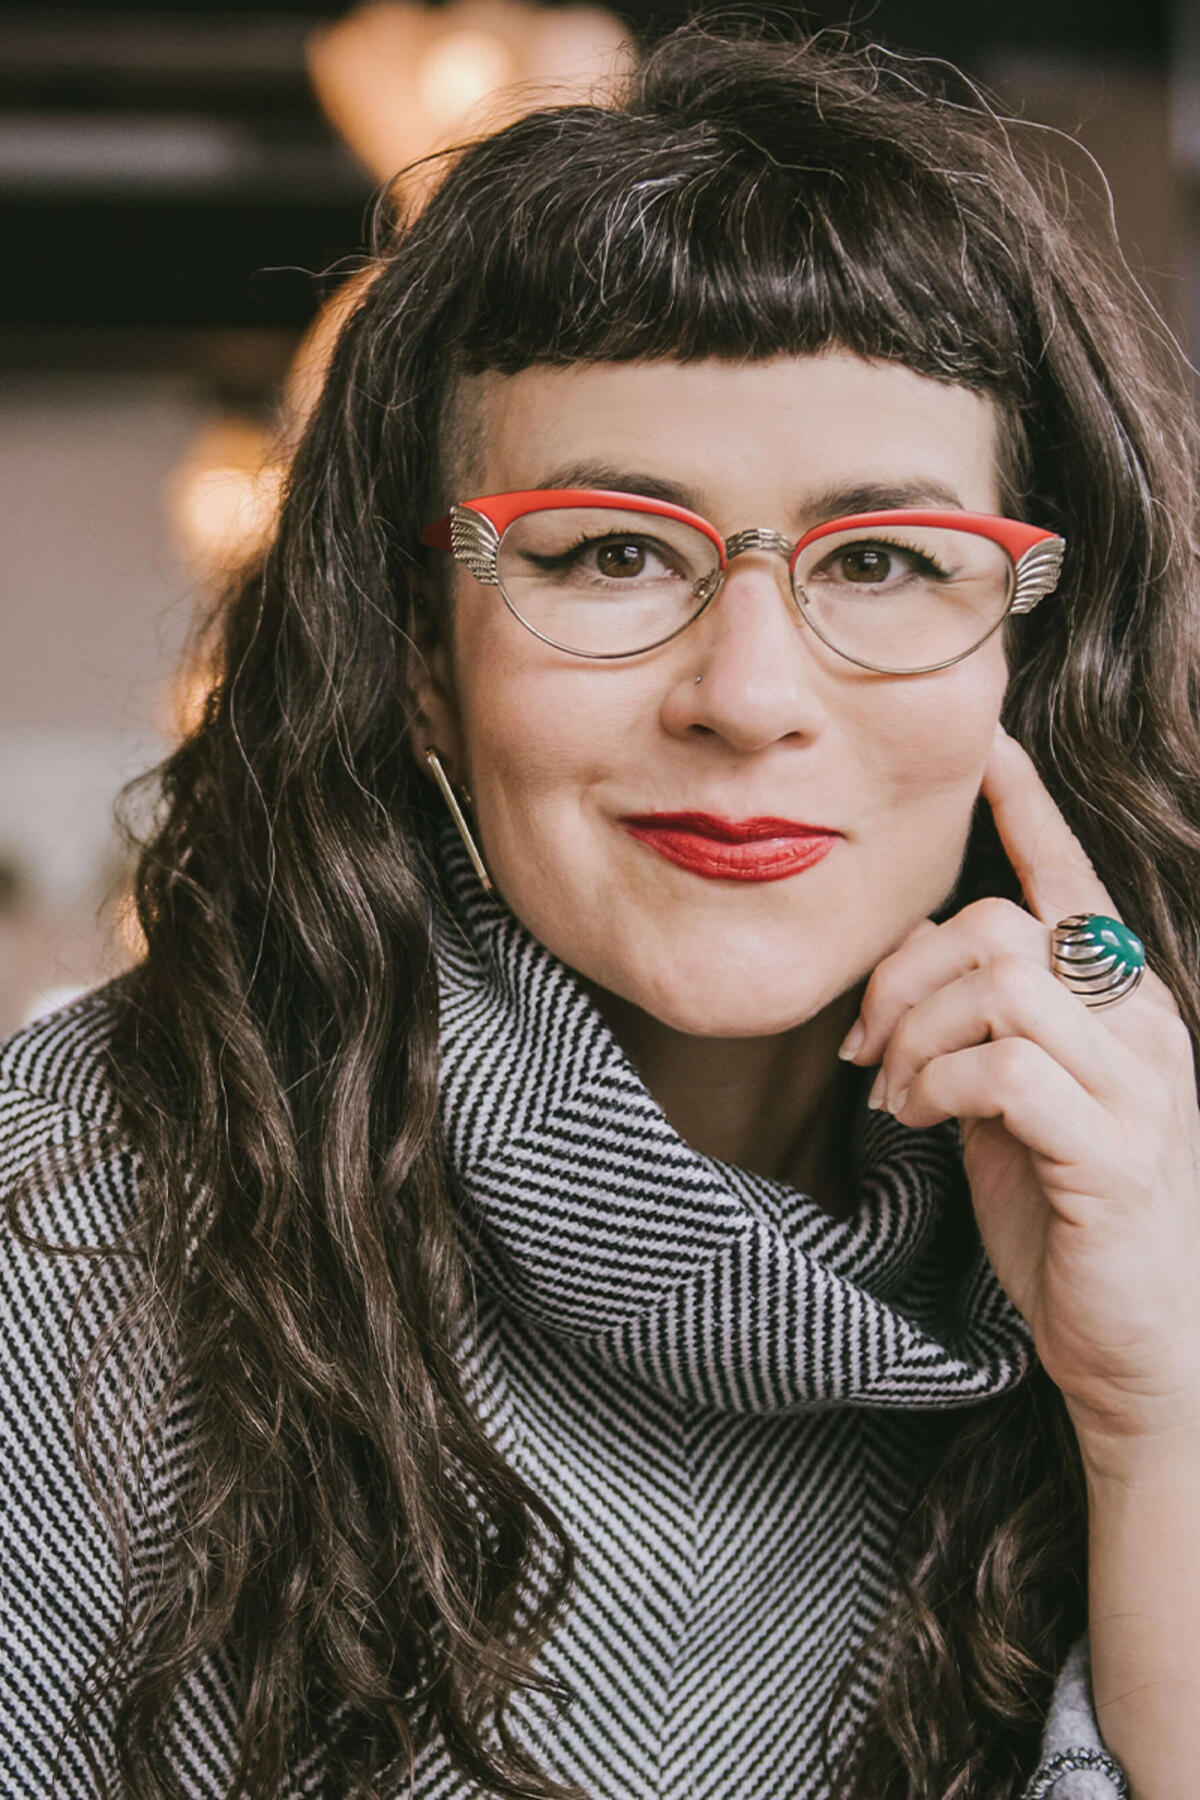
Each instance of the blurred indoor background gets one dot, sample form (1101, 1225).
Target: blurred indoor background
(183, 192)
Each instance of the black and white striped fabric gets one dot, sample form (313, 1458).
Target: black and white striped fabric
(725, 1394)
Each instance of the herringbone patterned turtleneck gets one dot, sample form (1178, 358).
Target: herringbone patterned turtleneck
(724, 1393)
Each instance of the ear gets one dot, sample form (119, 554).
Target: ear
(433, 694)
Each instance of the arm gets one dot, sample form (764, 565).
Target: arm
(1144, 1602)
(1081, 1138)
(59, 1581)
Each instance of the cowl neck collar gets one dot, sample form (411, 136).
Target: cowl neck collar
(593, 1220)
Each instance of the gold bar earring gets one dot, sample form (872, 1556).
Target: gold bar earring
(439, 774)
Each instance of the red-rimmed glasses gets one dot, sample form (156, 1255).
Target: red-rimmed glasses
(607, 575)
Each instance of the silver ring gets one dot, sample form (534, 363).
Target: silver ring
(1097, 957)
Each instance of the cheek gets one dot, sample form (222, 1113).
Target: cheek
(519, 735)
(502, 720)
(535, 728)
(928, 747)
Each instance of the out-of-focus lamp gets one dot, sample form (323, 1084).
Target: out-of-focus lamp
(221, 503)
(457, 71)
(221, 499)
(400, 80)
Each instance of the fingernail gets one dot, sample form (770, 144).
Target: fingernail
(875, 1097)
(896, 1106)
(853, 1042)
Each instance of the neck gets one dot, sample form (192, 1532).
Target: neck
(779, 1106)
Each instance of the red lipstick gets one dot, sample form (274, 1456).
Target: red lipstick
(763, 849)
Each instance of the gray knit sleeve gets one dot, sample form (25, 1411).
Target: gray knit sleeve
(1074, 1764)
(73, 1184)
(59, 1579)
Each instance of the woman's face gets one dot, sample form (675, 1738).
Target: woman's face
(560, 753)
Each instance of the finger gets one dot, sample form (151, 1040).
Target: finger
(1013, 1080)
(981, 931)
(1055, 872)
(1006, 998)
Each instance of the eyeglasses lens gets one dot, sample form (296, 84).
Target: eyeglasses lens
(600, 581)
(605, 582)
(906, 598)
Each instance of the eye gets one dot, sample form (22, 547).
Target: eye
(866, 562)
(610, 558)
(621, 557)
(877, 563)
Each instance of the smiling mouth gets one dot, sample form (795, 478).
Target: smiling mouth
(764, 849)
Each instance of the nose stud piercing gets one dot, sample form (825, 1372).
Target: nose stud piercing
(699, 679)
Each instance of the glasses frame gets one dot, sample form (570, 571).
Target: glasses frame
(473, 529)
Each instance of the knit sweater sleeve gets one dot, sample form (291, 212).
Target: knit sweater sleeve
(60, 1583)
(1074, 1763)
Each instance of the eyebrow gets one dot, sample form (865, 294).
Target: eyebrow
(813, 508)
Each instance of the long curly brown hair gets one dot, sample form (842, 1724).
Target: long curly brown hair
(351, 1539)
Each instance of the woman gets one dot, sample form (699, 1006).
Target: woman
(675, 1290)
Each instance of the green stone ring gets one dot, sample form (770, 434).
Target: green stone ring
(1098, 958)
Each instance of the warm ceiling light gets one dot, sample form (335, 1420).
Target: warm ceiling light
(222, 499)
(400, 80)
(458, 70)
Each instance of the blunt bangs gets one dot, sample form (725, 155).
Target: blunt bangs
(642, 238)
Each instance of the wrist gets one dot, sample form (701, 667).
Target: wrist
(1132, 1437)
(1136, 1460)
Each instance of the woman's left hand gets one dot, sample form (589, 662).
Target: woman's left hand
(1081, 1131)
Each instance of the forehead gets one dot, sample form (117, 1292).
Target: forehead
(730, 433)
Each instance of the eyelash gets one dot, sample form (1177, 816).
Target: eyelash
(929, 563)
(572, 551)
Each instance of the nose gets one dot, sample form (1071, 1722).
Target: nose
(760, 668)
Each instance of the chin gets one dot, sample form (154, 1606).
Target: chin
(701, 1003)
(734, 1023)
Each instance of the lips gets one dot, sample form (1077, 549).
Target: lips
(761, 849)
